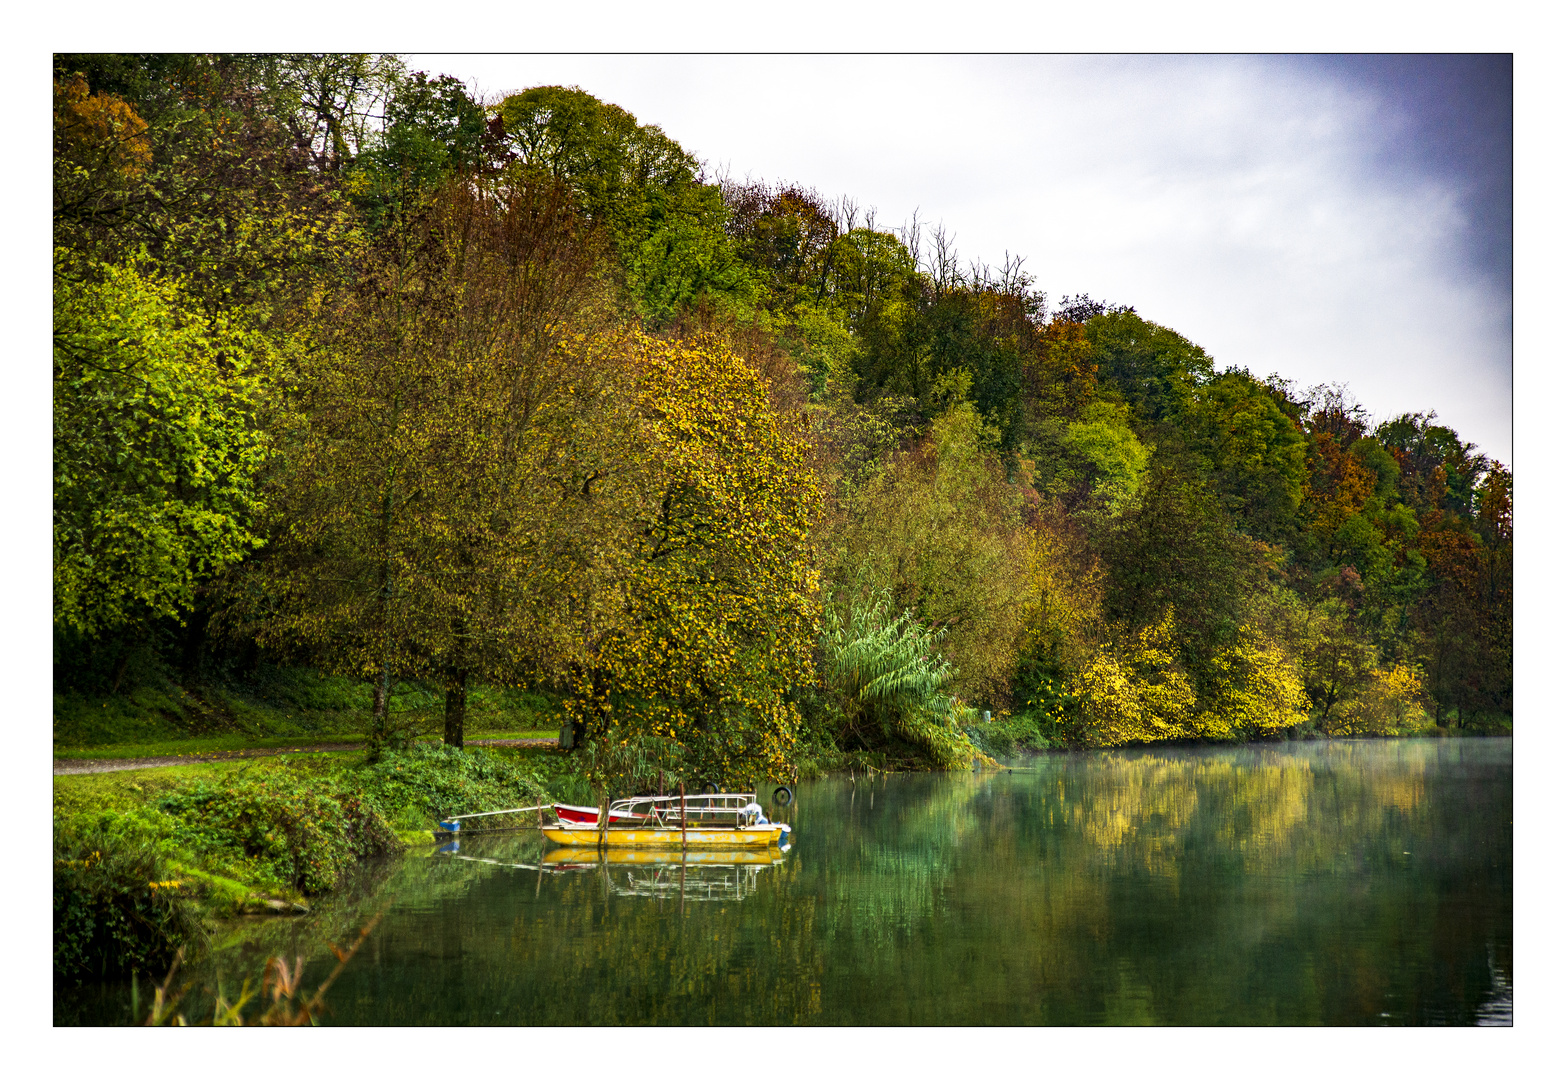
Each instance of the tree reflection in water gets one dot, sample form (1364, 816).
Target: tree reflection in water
(1328, 883)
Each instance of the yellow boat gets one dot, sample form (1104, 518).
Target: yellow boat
(647, 821)
(746, 836)
(675, 821)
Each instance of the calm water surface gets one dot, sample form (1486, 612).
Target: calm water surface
(1324, 883)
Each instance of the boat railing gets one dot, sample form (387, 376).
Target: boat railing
(730, 809)
(670, 811)
(527, 817)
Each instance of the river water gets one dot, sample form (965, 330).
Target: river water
(1348, 882)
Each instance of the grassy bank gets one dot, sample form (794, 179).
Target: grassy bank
(272, 706)
(197, 745)
(146, 860)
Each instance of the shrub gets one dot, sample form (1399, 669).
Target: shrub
(890, 684)
(437, 781)
(1008, 735)
(117, 907)
(304, 834)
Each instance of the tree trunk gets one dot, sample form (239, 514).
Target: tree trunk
(457, 682)
(195, 639)
(595, 719)
(119, 668)
(378, 714)
(456, 706)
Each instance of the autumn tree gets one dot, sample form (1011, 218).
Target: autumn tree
(432, 447)
(331, 104)
(338, 585)
(533, 418)
(940, 527)
(710, 620)
(181, 160)
(1464, 622)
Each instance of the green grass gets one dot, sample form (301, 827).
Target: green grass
(274, 707)
(197, 744)
(122, 792)
(209, 744)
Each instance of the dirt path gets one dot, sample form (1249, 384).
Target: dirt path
(76, 766)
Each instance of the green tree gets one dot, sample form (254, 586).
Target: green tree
(1115, 459)
(940, 527)
(1177, 551)
(941, 321)
(1152, 368)
(531, 417)
(156, 449)
(642, 188)
(1257, 453)
(433, 128)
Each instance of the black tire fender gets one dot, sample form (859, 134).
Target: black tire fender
(783, 795)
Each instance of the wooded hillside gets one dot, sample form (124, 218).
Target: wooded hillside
(357, 372)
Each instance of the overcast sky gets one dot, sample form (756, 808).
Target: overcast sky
(1331, 219)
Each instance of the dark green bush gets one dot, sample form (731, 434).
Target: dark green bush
(1008, 735)
(437, 781)
(117, 908)
(305, 830)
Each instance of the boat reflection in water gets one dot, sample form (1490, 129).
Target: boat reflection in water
(700, 875)
(707, 874)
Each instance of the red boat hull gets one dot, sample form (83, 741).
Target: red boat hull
(588, 815)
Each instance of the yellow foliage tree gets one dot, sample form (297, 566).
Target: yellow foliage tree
(713, 614)
(1134, 690)
(1391, 701)
(1255, 690)
(97, 133)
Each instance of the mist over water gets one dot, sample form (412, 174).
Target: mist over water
(1350, 882)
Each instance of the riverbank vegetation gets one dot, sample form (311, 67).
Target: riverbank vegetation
(144, 860)
(362, 380)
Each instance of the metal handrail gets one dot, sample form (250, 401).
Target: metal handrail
(665, 811)
(492, 813)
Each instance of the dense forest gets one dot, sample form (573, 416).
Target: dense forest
(357, 373)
